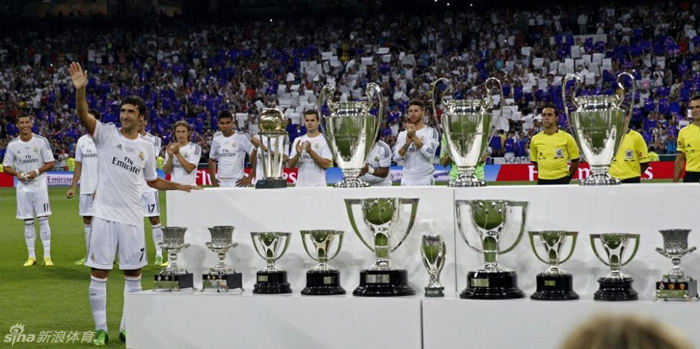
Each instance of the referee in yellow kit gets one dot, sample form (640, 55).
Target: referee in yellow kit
(552, 149)
(689, 146)
(632, 159)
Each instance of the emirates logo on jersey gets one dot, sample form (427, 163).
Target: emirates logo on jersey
(141, 156)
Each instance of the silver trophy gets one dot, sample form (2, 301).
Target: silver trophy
(322, 279)
(173, 277)
(676, 284)
(554, 283)
(381, 216)
(271, 280)
(467, 128)
(351, 131)
(490, 219)
(221, 276)
(433, 251)
(598, 125)
(273, 136)
(616, 286)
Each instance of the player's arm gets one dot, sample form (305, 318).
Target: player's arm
(168, 165)
(401, 146)
(188, 166)
(212, 172)
(295, 154)
(253, 162)
(320, 161)
(427, 150)
(80, 82)
(11, 171)
(678, 166)
(573, 167)
(76, 177)
(533, 154)
(162, 184)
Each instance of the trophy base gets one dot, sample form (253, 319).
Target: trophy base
(434, 292)
(271, 183)
(615, 289)
(467, 182)
(600, 179)
(165, 281)
(351, 183)
(498, 285)
(222, 282)
(681, 290)
(322, 283)
(554, 288)
(272, 283)
(383, 283)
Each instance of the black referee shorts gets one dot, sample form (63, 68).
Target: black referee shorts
(632, 180)
(563, 180)
(691, 177)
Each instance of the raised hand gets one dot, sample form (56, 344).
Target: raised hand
(78, 76)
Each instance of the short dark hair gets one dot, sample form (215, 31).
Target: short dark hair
(136, 101)
(312, 112)
(225, 114)
(417, 103)
(695, 97)
(550, 105)
(23, 116)
(96, 113)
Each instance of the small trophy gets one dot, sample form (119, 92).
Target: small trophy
(271, 280)
(273, 137)
(676, 284)
(616, 286)
(489, 218)
(554, 284)
(433, 251)
(382, 215)
(173, 277)
(221, 276)
(322, 279)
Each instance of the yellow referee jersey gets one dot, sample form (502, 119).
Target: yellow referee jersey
(689, 144)
(552, 154)
(632, 152)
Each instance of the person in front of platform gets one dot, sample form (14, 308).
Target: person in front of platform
(446, 160)
(552, 149)
(632, 159)
(688, 146)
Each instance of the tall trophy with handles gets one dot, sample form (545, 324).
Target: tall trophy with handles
(616, 286)
(271, 246)
(273, 145)
(322, 279)
(554, 283)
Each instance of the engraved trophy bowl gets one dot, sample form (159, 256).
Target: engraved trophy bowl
(433, 252)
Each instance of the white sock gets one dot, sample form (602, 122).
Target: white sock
(98, 301)
(157, 238)
(30, 237)
(45, 233)
(131, 284)
(88, 231)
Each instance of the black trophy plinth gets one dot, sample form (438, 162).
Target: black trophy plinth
(173, 281)
(322, 283)
(227, 281)
(271, 183)
(554, 288)
(272, 282)
(383, 283)
(494, 285)
(615, 289)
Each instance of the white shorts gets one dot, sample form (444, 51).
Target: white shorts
(109, 238)
(150, 204)
(85, 205)
(33, 200)
(417, 181)
(228, 183)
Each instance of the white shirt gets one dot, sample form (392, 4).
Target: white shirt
(191, 152)
(230, 152)
(86, 155)
(28, 156)
(379, 156)
(157, 145)
(310, 173)
(123, 164)
(418, 162)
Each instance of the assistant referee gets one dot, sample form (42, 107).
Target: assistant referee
(632, 159)
(688, 146)
(552, 149)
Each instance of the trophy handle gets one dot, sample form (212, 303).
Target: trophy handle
(566, 79)
(326, 97)
(636, 247)
(373, 89)
(437, 101)
(532, 235)
(411, 220)
(524, 205)
(574, 237)
(444, 252)
(595, 251)
(303, 240)
(500, 89)
(458, 212)
(621, 99)
(255, 245)
(340, 234)
(287, 238)
(348, 205)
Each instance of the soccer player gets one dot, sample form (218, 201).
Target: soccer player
(150, 201)
(311, 153)
(688, 146)
(552, 149)
(632, 159)
(182, 156)
(376, 170)
(228, 150)
(86, 173)
(416, 145)
(28, 157)
(124, 160)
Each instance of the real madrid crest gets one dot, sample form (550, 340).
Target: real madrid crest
(36, 150)
(141, 156)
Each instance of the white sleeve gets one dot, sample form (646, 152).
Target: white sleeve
(46, 152)
(400, 141)
(214, 151)
(196, 154)
(78, 153)
(99, 134)
(149, 171)
(384, 155)
(247, 145)
(326, 151)
(9, 159)
(430, 146)
(293, 148)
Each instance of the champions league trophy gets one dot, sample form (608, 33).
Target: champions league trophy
(322, 279)
(433, 251)
(221, 276)
(489, 218)
(554, 283)
(273, 136)
(351, 131)
(676, 284)
(467, 130)
(598, 125)
(173, 277)
(382, 215)
(271, 280)
(616, 286)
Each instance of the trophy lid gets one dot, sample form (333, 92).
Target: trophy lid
(272, 121)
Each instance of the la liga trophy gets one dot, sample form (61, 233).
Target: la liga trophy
(554, 283)
(271, 280)
(221, 276)
(616, 286)
(173, 277)
(676, 284)
(322, 279)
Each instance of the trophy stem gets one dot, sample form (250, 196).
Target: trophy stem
(490, 244)
(382, 250)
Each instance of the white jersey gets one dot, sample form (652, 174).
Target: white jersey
(191, 152)
(278, 143)
(28, 156)
(157, 145)
(123, 165)
(418, 162)
(86, 155)
(379, 156)
(310, 173)
(229, 152)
